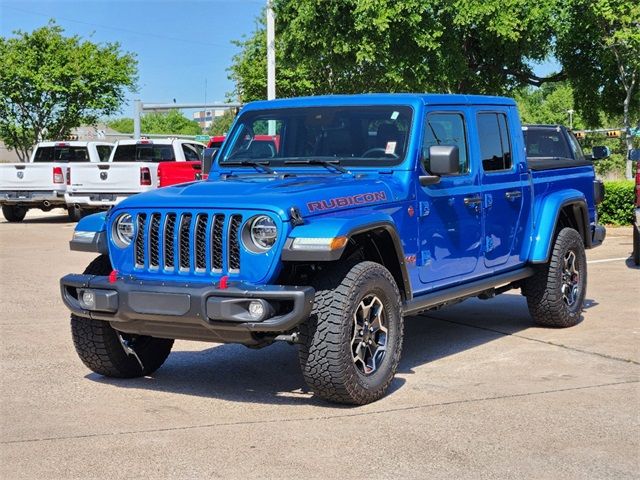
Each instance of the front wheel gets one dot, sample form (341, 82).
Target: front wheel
(351, 343)
(111, 353)
(14, 213)
(555, 293)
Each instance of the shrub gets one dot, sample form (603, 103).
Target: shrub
(618, 207)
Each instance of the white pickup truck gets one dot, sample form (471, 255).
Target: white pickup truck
(132, 168)
(40, 183)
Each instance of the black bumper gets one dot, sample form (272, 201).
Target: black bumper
(189, 311)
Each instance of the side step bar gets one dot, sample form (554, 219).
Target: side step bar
(424, 302)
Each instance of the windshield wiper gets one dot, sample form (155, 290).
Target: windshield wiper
(317, 161)
(251, 163)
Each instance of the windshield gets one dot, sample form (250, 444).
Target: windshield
(352, 136)
(146, 152)
(61, 154)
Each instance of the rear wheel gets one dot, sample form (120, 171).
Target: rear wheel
(555, 294)
(14, 213)
(111, 353)
(352, 342)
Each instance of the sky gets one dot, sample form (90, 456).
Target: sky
(181, 46)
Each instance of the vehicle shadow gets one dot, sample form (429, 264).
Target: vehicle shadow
(52, 218)
(272, 375)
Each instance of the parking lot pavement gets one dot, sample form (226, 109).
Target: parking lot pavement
(481, 392)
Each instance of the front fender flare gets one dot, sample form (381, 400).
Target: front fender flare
(90, 234)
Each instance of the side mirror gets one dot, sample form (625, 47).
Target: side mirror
(443, 160)
(208, 158)
(634, 155)
(600, 153)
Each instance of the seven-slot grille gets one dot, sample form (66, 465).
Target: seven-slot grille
(188, 242)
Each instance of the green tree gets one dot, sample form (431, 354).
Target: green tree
(599, 47)
(549, 104)
(50, 84)
(222, 124)
(346, 46)
(170, 123)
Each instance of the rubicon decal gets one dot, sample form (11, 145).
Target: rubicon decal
(338, 202)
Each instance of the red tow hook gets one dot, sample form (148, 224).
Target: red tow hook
(113, 276)
(224, 281)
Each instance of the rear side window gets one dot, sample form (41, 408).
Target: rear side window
(144, 153)
(103, 152)
(191, 154)
(61, 154)
(445, 129)
(495, 146)
(545, 143)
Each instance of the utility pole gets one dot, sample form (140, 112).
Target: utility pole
(271, 61)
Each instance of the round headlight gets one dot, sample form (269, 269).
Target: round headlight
(263, 232)
(123, 230)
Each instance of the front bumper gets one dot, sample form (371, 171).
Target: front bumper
(189, 311)
(32, 197)
(96, 200)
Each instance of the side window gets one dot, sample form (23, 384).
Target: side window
(190, 153)
(445, 129)
(103, 152)
(575, 146)
(199, 150)
(495, 146)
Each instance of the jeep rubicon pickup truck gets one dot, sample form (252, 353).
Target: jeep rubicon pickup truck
(369, 209)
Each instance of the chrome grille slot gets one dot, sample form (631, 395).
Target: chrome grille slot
(154, 241)
(234, 246)
(139, 246)
(169, 244)
(217, 226)
(184, 242)
(200, 239)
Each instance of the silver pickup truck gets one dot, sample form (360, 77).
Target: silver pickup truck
(42, 181)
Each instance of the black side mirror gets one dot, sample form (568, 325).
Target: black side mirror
(600, 153)
(208, 158)
(634, 155)
(443, 160)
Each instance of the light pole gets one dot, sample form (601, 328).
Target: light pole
(570, 112)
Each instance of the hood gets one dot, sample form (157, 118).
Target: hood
(312, 194)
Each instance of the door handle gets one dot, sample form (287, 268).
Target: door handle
(513, 194)
(473, 201)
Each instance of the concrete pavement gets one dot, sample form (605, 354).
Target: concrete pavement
(481, 392)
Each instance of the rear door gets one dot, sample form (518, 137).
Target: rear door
(503, 180)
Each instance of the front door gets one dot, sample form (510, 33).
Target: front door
(450, 211)
(502, 186)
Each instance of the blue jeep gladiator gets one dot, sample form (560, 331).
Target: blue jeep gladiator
(362, 210)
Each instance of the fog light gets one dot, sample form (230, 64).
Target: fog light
(88, 299)
(256, 309)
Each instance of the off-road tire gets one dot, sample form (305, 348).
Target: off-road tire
(13, 213)
(544, 289)
(636, 245)
(325, 352)
(99, 347)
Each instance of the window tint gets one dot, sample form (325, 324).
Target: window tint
(103, 152)
(61, 154)
(545, 143)
(445, 129)
(575, 146)
(495, 147)
(190, 153)
(144, 153)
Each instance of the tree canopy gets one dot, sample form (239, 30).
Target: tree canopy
(50, 83)
(172, 122)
